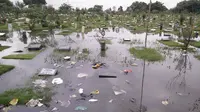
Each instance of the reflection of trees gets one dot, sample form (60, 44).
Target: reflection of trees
(183, 64)
(46, 38)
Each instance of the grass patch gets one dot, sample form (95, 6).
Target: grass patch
(20, 56)
(147, 54)
(24, 95)
(170, 43)
(5, 68)
(192, 43)
(197, 56)
(4, 47)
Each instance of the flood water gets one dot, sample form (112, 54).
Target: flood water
(170, 80)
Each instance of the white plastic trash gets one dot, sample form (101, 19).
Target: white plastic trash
(93, 100)
(81, 75)
(80, 90)
(47, 72)
(57, 81)
(67, 58)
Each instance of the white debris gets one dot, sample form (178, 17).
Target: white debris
(134, 64)
(117, 91)
(47, 72)
(72, 96)
(40, 83)
(73, 63)
(65, 104)
(153, 30)
(34, 103)
(54, 109)
(1, 34)
(93, 100)
(80, 90)
(81, 75)
(57, 81)
(111, 101)
(67, 58)
(165, 102)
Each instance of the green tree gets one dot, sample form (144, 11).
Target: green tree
(188, 6)
(31, 2)
(158, 7)
(138, 7)
(65, 8)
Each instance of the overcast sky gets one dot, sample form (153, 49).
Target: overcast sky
(105, 3)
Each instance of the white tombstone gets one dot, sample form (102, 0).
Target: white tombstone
(83, 29)
(10, 27)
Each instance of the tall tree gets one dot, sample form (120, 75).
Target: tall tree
(120, 9)
(31, 2)
(65, 8)
(138, 7)
(158, 7)
(189, 6)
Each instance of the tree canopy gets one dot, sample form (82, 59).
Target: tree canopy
(65, 8)
(30, 2)
(188, 6)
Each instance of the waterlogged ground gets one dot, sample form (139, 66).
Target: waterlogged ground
(160, 81)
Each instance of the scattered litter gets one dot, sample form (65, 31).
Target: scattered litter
(133, 100)
(34, 103)
(40, 83)
(57, 81)
(47, 72)
(40, 104)
(111, 101)
(14, 101)
(79, 84)
(72, 96)
(95, 92)
(6, 109)
(93, 100)
(134, 64)
(44, 111)
(56, 65)
(54, 109)
(80, 91)
(73, 63)
(165, 102)
(106, 76)
(81, 75)
(184, 54)
(86, 96)
(127, 71)
(97, 65)
(19, 51)
(182, 94)
(81, 108)
(128, 82)
(67, 58)
(64, 104)
(117, 91)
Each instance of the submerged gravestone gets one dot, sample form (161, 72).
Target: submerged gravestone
(48, 72)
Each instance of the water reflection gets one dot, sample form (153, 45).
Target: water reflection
(183, 64)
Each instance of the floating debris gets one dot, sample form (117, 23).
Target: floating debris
(111, 101)
(54, 109)
(95, 92)
(47, 72)
(34, 103)
(81, 108)
(40, 83)
(106, 76)
(117, 91)
(57, 81)
(127, 71)
(80, 91)
(165, 102)
(81, 75)
(73, 96)
(93, 100)
(64, 104)
(67, 58)
(14, 101)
